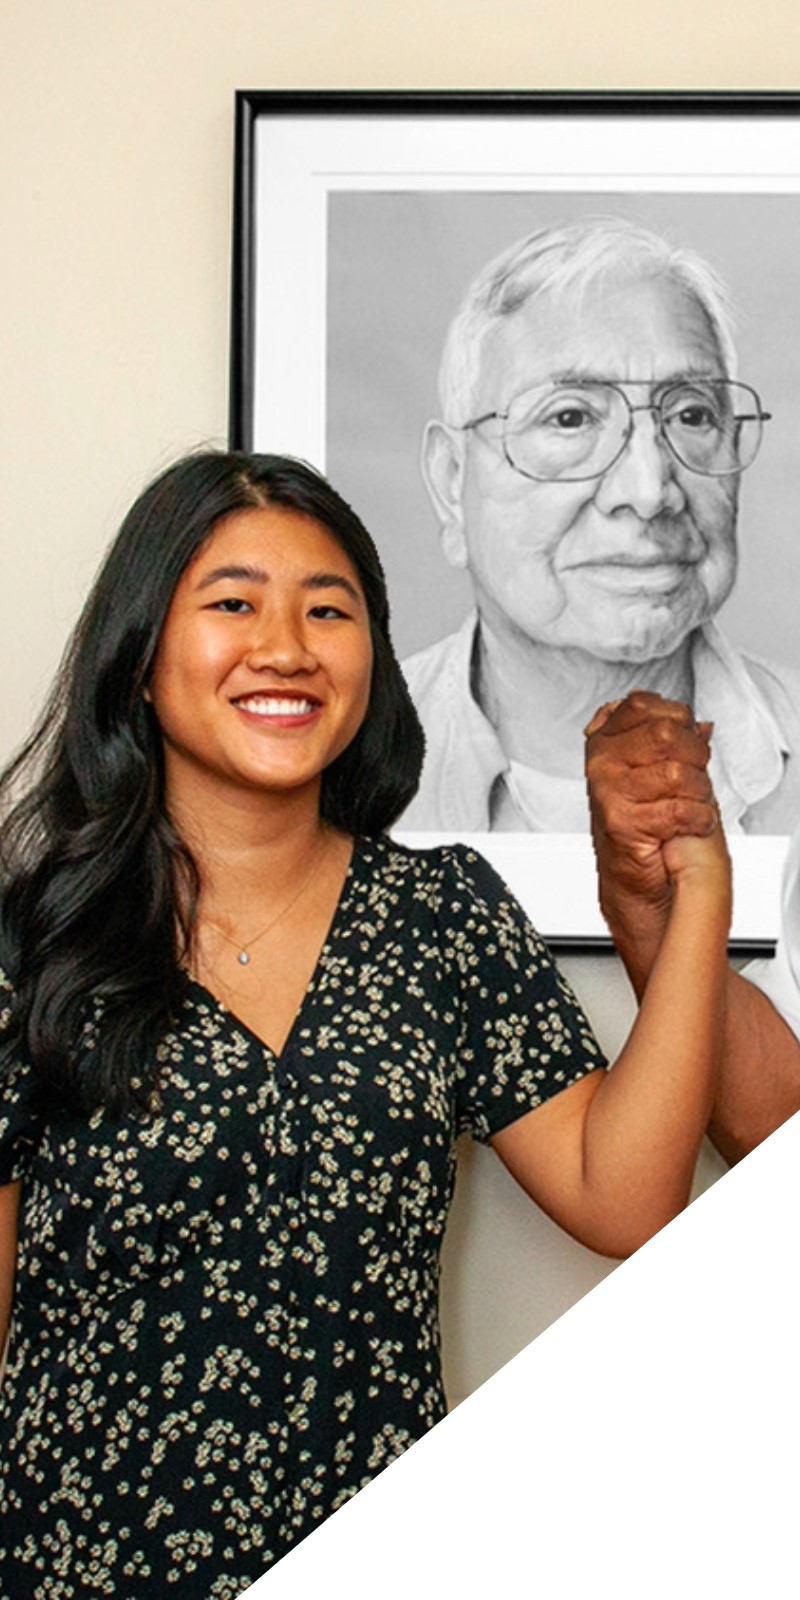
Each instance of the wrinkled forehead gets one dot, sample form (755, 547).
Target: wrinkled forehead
(646, 329)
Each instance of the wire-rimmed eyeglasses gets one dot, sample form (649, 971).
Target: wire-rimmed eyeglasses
(567, 432)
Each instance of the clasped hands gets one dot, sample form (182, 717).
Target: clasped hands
(655, 820)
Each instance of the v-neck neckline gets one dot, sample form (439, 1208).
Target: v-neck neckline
(314, 982)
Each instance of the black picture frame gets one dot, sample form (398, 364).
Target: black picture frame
(292, 150)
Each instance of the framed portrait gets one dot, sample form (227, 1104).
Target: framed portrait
(360, 222)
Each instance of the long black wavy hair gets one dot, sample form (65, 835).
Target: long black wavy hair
(97, 890)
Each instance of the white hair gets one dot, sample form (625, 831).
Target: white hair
(568, 259)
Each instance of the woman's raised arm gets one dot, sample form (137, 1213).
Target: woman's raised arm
(612, 1158)
(648, 783)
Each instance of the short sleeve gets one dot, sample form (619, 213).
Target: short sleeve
(779, 978)
(19, 1125)
(523, 1035)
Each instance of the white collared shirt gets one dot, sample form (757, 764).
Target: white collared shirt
(469, 784)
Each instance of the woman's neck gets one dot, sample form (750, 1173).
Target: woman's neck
(249, 847)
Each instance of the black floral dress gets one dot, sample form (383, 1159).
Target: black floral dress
(226, 1317)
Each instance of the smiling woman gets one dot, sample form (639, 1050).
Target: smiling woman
(260, 681)
(263, 668)
(242, 1032)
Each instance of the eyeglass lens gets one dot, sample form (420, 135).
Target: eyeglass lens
(575, 431)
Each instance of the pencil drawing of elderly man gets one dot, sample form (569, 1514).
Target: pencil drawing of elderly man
(586, 471)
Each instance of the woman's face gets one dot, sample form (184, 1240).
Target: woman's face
(262, 673)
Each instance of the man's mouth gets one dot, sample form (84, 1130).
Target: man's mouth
(640, 561)
(652, 574)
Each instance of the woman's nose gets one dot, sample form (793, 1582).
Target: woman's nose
(643, 479)
(280, 642)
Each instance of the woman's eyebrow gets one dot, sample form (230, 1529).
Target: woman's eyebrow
(246, 573)
(239, 572)
(331, 580)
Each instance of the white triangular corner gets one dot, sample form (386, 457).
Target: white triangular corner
(645, 1444)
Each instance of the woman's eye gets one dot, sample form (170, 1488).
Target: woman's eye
(324, 612)
(231, 604)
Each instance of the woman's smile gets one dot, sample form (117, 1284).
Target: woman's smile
(278, 710)
(263, 669)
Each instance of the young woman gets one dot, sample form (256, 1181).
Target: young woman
(242, 1031)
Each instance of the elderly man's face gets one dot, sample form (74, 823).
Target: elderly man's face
(623, 566)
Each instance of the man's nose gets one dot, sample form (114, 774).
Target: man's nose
(643, 479)
(280, 641)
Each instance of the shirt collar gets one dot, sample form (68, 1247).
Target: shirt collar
(467, 805)
(750, 746)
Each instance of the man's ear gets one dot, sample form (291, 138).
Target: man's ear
(442, 462)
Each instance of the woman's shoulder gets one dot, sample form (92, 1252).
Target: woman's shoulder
(453, 866)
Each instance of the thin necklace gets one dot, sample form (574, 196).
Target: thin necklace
(243, 956)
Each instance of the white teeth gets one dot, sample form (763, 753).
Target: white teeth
(264, 706)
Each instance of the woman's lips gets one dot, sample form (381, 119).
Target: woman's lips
(278, 709)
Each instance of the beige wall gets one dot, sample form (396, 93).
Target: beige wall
(115, 165)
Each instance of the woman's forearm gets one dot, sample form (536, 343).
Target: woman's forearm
(644, 1127)
(612, 1158)
(758, 1073)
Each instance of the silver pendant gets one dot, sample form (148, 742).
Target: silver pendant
(243, 958)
